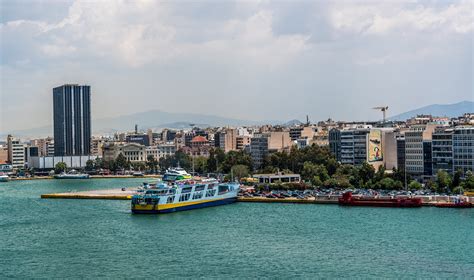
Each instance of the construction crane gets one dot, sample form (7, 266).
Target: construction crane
(383, 109)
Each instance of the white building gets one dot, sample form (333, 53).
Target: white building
(133, 152)
(16, 152)
(49, 162)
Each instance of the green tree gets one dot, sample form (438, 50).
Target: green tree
(60, 167)
(468, 183)
(458, 190)
(389, 184)
(236, 158)
(443, 180)
(215, 160)
(121, 162)
(366, 172)
(137, 165)
(456, 182)
(380, 174)
(431, 185)
(179, 158)
(200, 164)
(316, 181)
(414, 185)
(90, 165)
(99, 163)
(240, 171)
(332, 166)
(151, 163)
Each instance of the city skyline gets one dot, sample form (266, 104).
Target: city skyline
(257, 61)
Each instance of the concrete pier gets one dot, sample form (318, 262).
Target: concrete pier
(113, 194)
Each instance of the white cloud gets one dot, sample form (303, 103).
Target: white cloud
(387, 17)
(291, 58)
(142, 32)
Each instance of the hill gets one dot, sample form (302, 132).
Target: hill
(439, 110)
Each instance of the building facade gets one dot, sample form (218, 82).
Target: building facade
(400, 152)
(353, 149)
(264, 143)
(16, 152)
(242, 142)
(463, 148)
(442, 150)
(72, 120)
(133, 152)
(418, 151)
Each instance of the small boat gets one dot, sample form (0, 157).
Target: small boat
(4, 177)
(348, 199)
(138, 174)
(73, 174)
(175, 174)
(173, 197)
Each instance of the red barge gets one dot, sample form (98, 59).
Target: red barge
(348, 199)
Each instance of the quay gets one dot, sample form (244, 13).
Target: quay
(127, 193)
(110, 194)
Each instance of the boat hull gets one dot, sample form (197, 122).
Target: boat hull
(348, 200)
(150, 209)
(454, 205)
(374, 203)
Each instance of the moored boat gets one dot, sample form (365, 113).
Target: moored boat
(348, 199)
(167, 198)
(175, 174)
(73, 174)
(4, 177)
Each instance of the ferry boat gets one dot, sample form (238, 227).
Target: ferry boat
(73, 174)
(348, 199)
(4, 177)
(167, 198)
(175, 174)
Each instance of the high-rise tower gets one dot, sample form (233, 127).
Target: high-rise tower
(72, 120)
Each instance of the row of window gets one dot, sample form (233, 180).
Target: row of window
(134, 158)
(133, 153)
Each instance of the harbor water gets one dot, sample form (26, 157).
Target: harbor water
(55, 238)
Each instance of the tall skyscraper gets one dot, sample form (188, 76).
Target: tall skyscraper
(72, 120)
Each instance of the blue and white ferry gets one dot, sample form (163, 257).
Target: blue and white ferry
(180, 196)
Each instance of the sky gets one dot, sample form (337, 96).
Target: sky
(255, 60)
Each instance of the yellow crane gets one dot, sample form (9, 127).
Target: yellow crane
(383, 109)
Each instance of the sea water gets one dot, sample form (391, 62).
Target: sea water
(56, 238)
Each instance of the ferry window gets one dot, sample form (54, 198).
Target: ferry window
(171, 191)
(184, 197)
(187, 190)
(197, 195)
(223, 189)
(210, 186)
(199, 188)
(210, 193)
(170, 199)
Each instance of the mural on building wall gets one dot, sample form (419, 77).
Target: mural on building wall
(375, 146)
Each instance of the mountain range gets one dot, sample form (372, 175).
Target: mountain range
(439, 110)
(157, 119)
(154, 119)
